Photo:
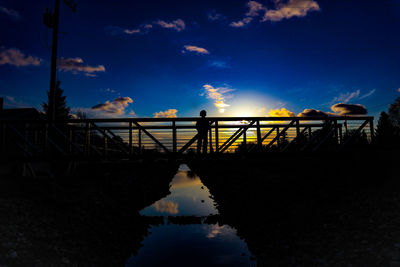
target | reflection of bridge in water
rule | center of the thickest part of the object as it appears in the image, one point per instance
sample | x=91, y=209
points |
x=132, y=137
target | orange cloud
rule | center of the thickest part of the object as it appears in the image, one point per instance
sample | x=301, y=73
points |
x=76, y=65
x=15, y=57
x=292, y=8
x=281, y=113
x=177, y=25
x=196, y=49
x=166, y=206
x=117, y=106
x=310, y=112
x=170, y=113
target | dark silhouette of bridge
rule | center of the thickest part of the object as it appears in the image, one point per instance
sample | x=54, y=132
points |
x=135, y=137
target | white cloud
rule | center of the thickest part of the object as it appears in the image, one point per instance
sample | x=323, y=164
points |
x=117, y=106
x=292, y=8
x=196, y=49
x=76, y=65
x=177, y=25
x=347, y=97
x=218, y=95
x=15, y=57
x=368, y=94
x=170, y=113
x=10, y=12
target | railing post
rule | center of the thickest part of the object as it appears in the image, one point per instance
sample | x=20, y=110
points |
x=335, y=125
x=259, y=142
x=278, y=141
x=210, y=140
x=371, y=129
x=130, y=139
x=174, y=143
x=140, y=140
x=87, y=138
x=245, y=140
x=340, y=134
x=297, y=128
x=216, y=137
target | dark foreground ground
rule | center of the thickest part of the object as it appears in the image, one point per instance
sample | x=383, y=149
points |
x=292, y=210
x=320, y=210
x=89, y=219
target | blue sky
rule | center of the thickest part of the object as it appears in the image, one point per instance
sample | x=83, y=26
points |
x=232, y=58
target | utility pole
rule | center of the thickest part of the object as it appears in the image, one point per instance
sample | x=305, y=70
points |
x=51, y=20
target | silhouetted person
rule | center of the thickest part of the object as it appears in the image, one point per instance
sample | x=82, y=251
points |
x=202, y=126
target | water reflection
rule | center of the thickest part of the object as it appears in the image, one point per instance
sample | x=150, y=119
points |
x=188, y=197
x=190, y=244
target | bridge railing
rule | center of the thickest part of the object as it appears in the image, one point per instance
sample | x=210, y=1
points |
x=135, y=136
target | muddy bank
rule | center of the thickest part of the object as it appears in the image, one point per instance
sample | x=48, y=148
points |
x=88, y=219
x=316, y=210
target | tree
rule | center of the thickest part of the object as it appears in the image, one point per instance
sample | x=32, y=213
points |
x=394, y=112
x=386, y=134
x=61, y=109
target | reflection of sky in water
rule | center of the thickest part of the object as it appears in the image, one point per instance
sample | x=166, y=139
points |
x=189, y=245
x=188, y=197
x=192, y=245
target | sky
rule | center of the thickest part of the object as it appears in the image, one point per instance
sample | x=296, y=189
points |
x=230, y=57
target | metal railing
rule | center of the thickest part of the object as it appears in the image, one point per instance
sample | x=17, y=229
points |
x=129, y=137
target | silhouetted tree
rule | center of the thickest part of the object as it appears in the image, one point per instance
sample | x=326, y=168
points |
x=61, y=109
x=394, y=112
x=386, y=134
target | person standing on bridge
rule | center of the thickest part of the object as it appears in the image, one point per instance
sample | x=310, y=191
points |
x=202, y=126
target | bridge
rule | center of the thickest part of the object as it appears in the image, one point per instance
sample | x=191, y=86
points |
x=136, y=137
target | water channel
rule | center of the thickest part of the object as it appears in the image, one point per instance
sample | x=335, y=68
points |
x=198, y=244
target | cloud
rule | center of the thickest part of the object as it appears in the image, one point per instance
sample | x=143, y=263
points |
x=166, y=206
x=347, y=97
x=281, y=113
x=292, y=8
x=241, y=23
x=134, y=31
x=15, y=57
x=177, y=25
x=117, y=106
x=368, y=94
x=10, y=12
x=76, y=65
x=398, y=90
x=218, y=95
x=350, y=96
x=254, y=8
x=170, y=113
x=312, y=113
x=213, y=15
x=348, y=109
x=254, y=11
x=196, y=49
x=220, y=64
